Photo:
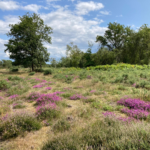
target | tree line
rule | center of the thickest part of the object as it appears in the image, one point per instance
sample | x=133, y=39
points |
x=119, y=44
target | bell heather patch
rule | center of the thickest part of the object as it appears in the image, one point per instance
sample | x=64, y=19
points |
x=136, y=113
x=48, y=88
x=134, y=103
x=47, y=98
x=48, y=111
x=77, y=96
x=13, y=96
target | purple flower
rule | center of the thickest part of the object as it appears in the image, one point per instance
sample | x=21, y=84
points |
x=13, y=96
x=77, y=96
x=48, y=88
x=136, y=113
x=92, y=91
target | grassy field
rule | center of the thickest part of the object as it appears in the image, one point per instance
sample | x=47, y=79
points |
x=75, y=109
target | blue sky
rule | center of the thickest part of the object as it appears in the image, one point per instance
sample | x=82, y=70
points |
x=73, y=20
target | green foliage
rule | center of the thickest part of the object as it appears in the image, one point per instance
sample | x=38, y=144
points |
x=61, y=126
x=14, y=69
x=109, y=133
x=15, y=78
x=66, y=95
x=31, y=73
x=82, y=75
x=27, y=48
x=17, y=124
x=4, y=85
x=68, y=79
x=47, y=72
x=39, y=70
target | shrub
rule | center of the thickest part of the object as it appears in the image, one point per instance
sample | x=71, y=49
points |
x=77, y=96
x=14, y=69
x=39, y=70
x=66, y=95
x=110, y=133
x=33, y=96
x=136, y=113
x=13, y=78
x=31, y=73
x=61, y=126
x=18, y=123
x=48, y=111
x=19, y=89
x=47, y=72
x=4, y=108
x=82, y=75
x=18, y=105
x=68, y=79
x=47, y=98
x=4, y=85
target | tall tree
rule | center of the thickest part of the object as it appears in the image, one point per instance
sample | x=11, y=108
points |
x=74, y=54
x=25, y=45
x=115, y=38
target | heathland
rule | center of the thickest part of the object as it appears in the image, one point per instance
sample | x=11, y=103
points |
x=103, y=107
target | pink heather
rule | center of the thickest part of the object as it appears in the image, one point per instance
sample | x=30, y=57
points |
x=77, y=96
x=92, y=91
x=13, y=96
x=48, y=88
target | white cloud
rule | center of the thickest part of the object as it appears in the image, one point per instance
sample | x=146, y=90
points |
x=83, y=8
x=4, y=25
x=13, y=5
x=8, y=5
x=105, y=12
x=67, y=28
x=2, y=48
x=32, y=7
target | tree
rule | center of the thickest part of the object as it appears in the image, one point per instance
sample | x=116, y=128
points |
x=25, y=45
x=53, y=62
x=115, y=36
x=74, y=54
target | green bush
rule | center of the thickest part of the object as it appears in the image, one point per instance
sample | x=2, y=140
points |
x=4, y=85
x=47, y=72
x=14, y=69
x=18, y=123
x=47, y=112
x=82, y=75
x=61, y=126
x=39, y=70
x=68, y=79
x=13, y=78
x=31, y=73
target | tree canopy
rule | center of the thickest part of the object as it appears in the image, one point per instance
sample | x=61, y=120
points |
x=25, y=45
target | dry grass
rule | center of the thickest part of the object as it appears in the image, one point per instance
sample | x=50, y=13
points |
x=35, y=140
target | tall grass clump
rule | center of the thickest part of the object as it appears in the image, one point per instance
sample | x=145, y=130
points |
x=17, y=123
x=110, y=133
x=61, y=126
x=4, y=85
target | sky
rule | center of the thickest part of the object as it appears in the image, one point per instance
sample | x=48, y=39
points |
x=77, y=21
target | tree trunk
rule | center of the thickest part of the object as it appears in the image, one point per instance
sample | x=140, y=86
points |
x=32, y=67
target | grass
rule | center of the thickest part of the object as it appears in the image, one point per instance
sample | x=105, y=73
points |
x=69, y=109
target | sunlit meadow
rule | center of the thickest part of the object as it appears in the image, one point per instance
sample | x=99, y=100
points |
x=103, y=107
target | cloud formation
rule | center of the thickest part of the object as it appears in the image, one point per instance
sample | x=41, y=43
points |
x=83, y=8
